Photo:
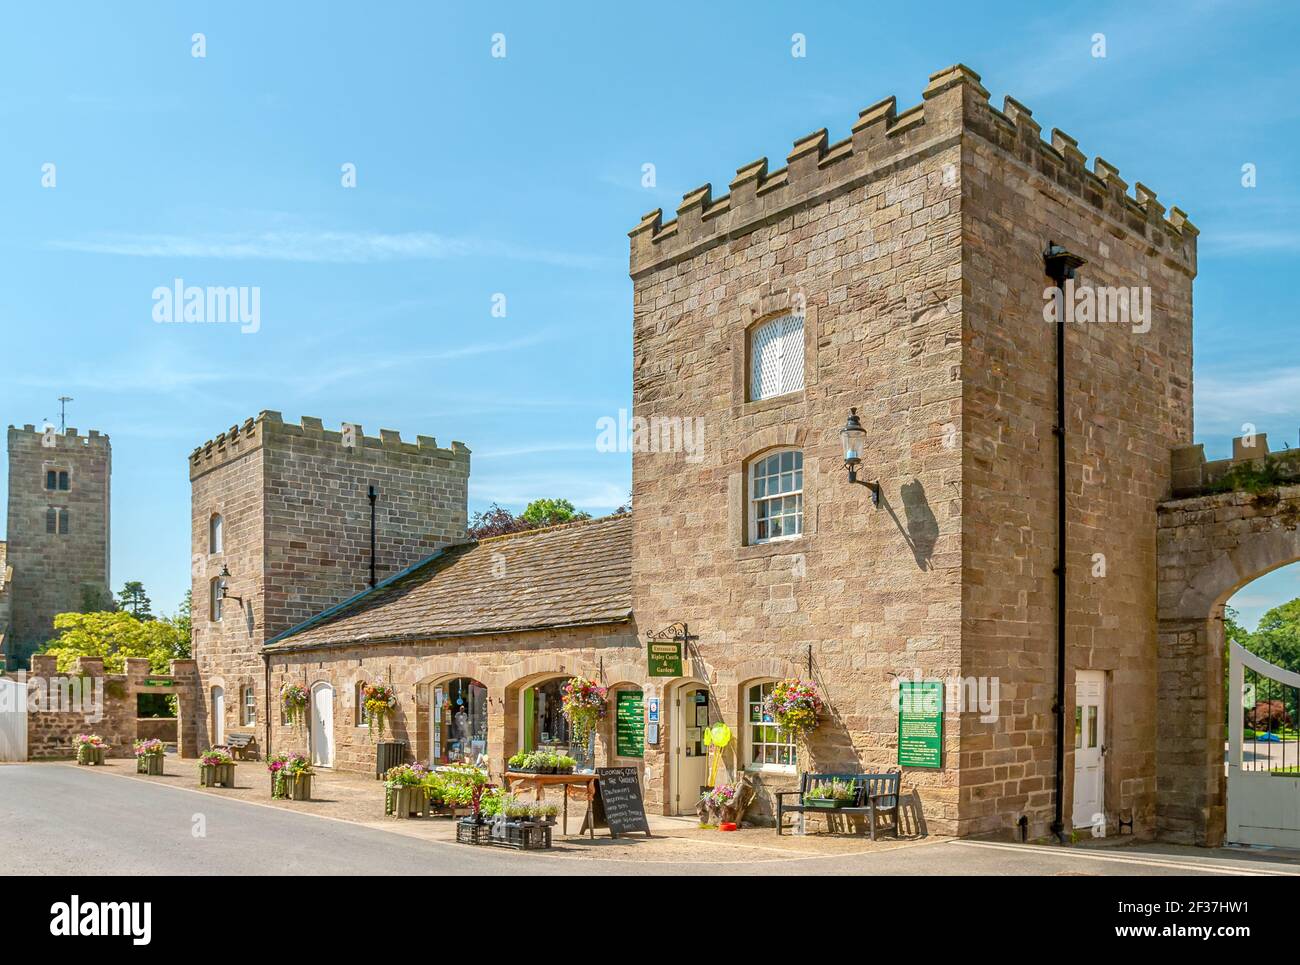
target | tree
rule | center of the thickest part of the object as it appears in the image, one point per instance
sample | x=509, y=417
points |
x=116, y=635
x=1277, y=638
x=132, y=597
x=551, y=512
x=496, y=521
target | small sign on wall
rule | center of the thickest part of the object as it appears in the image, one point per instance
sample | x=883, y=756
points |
x=920, y=723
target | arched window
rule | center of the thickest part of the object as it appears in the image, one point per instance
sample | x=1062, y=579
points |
x=216, y=540
x=776, y=357
x=776, y=496
x=216, y=589
x=766, y=748
x=362, y=718
x=459, y=715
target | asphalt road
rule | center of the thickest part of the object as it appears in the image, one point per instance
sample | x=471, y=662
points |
x=65, y=820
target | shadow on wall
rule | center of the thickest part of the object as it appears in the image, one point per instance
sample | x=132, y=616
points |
x=922, y=529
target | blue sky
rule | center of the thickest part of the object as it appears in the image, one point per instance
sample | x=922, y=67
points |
x=522, y=175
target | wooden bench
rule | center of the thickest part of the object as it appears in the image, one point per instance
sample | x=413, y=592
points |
x=876, y=796
x=242, y=746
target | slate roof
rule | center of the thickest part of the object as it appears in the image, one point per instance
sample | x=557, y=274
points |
x=575, y=574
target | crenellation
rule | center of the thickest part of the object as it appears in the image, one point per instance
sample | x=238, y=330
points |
x=954, y=104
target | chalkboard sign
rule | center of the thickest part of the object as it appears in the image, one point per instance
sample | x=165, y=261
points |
x=618, y=804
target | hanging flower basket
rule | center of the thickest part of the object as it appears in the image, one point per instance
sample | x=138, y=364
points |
x=290, y=776
x=293, y=698
x=794, y=705
x=90, y=749
x=149, y=756
x=378, y=699
x=584, y=707
x=216, y=769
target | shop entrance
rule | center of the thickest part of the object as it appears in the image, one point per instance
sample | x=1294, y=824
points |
x=690, y=754
x=458, y=719
x=544, y=726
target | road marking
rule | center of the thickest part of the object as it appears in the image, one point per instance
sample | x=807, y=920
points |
x=1129, y=859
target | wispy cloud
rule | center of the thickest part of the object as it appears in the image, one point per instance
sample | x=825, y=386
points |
x=327, y=247
x=1248, y=242
x=1223, y=397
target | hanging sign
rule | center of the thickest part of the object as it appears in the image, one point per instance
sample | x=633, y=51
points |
x=629, y=727
x=664, y=658
x=920, y=723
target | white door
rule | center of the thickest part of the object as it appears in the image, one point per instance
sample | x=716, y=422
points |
x=1089, y=747
x=218, y=715
x=13, y=720
x=691, y=760
x=322, y=725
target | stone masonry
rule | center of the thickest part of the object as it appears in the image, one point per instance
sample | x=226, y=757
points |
x=68, y=569
x=296, y=517
x=915, y=250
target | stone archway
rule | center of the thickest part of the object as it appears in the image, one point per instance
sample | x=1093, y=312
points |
x=1209, y=546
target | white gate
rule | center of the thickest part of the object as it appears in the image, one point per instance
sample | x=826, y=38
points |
x=13, y=719
x=1264, y=765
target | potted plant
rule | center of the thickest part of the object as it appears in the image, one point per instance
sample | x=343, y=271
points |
x=834, y=793
x=90, y=749
x=406, y=790
x=291, y=776
x=521, y=763
x=564, y=764
x=149, y=756
x=293, y=698
x=794, y=705
x=718, y=805
x=379, y=700
x=216, y=769
x=584, y=706
x=543, y=813
x=515, y=810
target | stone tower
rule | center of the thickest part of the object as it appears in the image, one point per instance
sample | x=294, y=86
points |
x=912, y=255
x=58, y=531
x=284, y=510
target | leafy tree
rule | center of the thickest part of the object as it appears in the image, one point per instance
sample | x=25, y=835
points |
x=1277, y=638
x=551, y=512
x=116, y=635
x=132, y=597
x=496, y=521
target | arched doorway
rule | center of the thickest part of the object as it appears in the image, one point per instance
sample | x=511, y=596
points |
x=322, y=724
x=218, y=705
x=458, y=721
x=542, y=724
x=1209, y=547
x=692, y=711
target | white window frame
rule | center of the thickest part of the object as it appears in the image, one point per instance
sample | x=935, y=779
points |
x=216, y=533
x=747, y=703
x=248, y=707
x=784, y=336
x=215, y=587
x=361, y=715
x=752, y=484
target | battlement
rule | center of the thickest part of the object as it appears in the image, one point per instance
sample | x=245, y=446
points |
x=269, y=425
x=953, y=103
x=1193, y=475
x=30, y=435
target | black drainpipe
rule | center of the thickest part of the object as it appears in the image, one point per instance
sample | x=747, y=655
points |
x=1060, y=265
x=270, y=702
x=373, y=494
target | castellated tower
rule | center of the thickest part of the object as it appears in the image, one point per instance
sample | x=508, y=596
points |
x=284, y=510
x=58, y=531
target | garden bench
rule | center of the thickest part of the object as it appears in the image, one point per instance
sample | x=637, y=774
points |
x=877, y=796
x=242, y=746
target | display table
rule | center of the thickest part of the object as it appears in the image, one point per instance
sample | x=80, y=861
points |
x=581, y=786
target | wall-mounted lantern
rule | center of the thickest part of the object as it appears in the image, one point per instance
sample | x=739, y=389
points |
x=225, y=593
x=854, y=440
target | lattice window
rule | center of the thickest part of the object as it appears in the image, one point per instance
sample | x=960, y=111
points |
x=776, y=357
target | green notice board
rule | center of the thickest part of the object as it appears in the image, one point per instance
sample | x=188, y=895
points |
x=664, y=658
x=629, y=725
x=920, y=723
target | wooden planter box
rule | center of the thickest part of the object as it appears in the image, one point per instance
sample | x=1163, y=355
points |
x=298, y=788
x=149, y=764
x=217, y=775
x=405, y=801
x=90, y=755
